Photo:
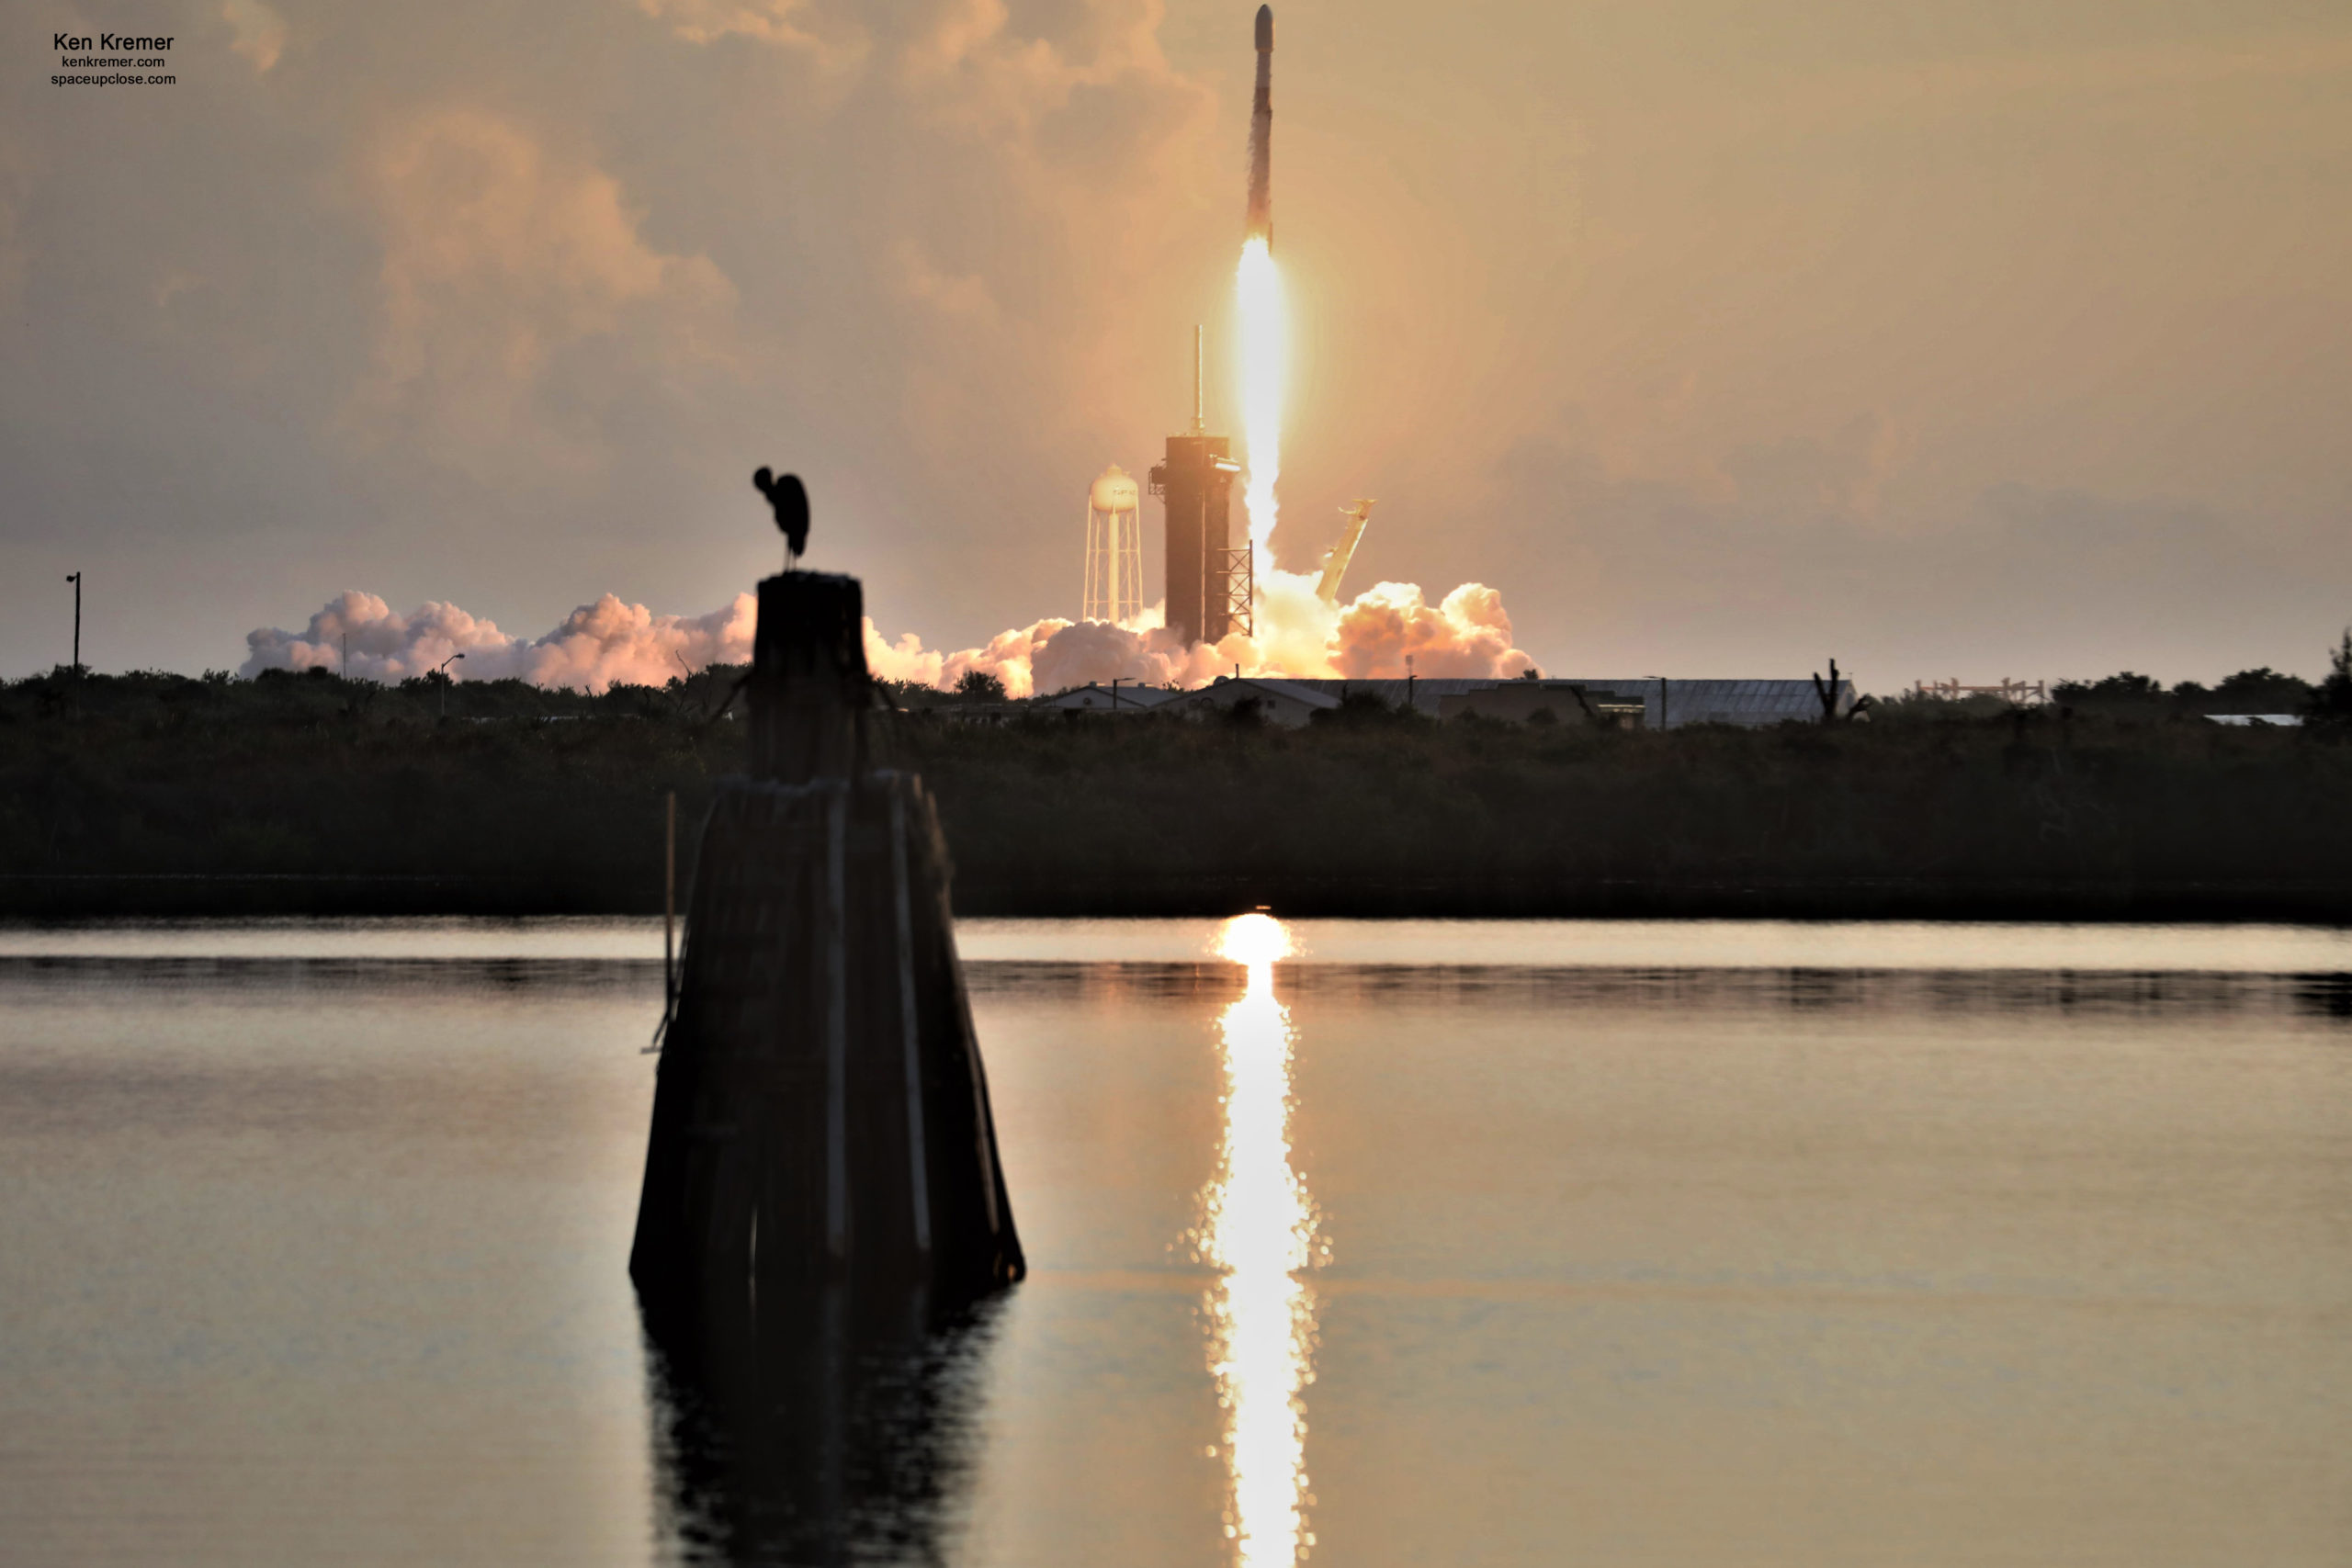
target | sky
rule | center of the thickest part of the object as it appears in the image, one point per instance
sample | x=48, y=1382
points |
x=1973, y=340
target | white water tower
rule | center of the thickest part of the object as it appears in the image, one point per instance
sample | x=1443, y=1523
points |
x=1113, y=548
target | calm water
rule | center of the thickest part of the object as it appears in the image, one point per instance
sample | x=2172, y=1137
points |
x=1413, y=1243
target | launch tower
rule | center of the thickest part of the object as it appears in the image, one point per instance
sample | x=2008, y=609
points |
x=1211, y=584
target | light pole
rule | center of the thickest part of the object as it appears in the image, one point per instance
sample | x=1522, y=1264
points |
x=441, y=670
x=75, y=579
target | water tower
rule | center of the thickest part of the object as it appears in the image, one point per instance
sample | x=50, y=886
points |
x=1113, y=548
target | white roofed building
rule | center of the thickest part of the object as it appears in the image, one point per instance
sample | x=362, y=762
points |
x=1125, y=697
x=1670, y=704
x=1290, y=704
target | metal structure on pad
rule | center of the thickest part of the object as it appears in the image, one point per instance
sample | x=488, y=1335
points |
x=1336, y=558
x=1195, y=484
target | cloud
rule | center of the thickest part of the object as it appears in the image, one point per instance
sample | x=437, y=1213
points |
x=831, y=36
x=517, y=299
x=598, y=644
x=258, y=32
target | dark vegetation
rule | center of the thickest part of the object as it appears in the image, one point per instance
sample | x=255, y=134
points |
x=154, y=794
x=2262, y=690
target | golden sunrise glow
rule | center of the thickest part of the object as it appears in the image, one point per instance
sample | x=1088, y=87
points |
x=1264, y=357
x=1261, y=1235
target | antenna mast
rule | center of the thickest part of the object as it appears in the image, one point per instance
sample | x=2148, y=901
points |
x=1200, y=425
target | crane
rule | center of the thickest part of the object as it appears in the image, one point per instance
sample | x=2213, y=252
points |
x=1336, y=558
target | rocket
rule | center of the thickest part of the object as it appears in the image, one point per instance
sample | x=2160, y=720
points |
x=1261, y=135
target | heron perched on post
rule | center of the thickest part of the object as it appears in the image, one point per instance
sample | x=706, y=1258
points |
x=790, y=500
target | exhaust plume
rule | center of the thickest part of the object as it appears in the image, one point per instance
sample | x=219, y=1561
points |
x=608, y=643
x=600, y=645
x=1468, y=633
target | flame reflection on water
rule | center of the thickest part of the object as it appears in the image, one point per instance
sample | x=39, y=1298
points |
x=1260, y=1234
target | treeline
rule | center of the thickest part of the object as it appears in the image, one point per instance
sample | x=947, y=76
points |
x=2259, y=690
x=156, y=793
x=2025, y=815
x=152, y=794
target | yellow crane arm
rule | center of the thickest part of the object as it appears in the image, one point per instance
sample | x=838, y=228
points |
x=1336, y=558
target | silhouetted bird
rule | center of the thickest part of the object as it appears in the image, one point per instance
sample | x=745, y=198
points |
x=791, y=504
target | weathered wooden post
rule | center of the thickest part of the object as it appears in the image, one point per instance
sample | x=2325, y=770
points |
x=820, y=1116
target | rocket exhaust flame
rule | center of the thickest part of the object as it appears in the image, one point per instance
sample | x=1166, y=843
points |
x=1265, y=352
x=1264, y=329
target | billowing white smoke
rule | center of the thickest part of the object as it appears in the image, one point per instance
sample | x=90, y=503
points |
x=597, y=646
x=1052, y=655
x=1466, y=634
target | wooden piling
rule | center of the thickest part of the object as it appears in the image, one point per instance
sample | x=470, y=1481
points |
x=822, y=1114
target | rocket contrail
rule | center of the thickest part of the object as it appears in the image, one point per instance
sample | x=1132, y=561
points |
x=1261, y=135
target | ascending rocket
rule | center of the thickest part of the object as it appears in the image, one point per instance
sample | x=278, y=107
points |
x=1261, y=135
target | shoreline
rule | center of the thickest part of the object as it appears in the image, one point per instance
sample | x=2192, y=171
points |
x=86, y=896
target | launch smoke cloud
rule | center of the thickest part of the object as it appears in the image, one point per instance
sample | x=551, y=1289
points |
x=611, y=642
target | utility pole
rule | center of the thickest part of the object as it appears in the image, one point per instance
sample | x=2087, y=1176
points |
x=75, y=579
x=441, y=670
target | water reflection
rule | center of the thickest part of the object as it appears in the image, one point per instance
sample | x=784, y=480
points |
x=2329, y=996
x=1260, y=1233
x=832, y=1431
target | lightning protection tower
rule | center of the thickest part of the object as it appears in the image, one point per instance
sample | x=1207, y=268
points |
x=1113, y=548
x=1211, y=584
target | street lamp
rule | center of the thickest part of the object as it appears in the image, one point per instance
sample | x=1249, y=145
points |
x=441, y=670
x=75, y=579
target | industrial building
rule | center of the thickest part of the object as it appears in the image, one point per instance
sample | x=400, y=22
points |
x=1652, y=703
x=1444, y=697
x=1671, y=704
x=1519, y=702
x=1634, y=702
x=1211, y=584
x=1120, y=697
x=1290, y=703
